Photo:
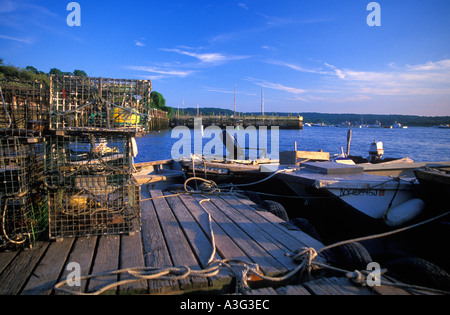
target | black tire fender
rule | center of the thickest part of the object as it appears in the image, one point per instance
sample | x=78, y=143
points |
x=307, y=227
x=275, y=208
x=351, y=256
x=418, y=271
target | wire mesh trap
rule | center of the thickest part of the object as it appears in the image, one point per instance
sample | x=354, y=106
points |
x=85, y=102
x=93, y=211
x=24, y=105
x=91, y=190
x=17, y=158
x=71, y=158
x=23, y=220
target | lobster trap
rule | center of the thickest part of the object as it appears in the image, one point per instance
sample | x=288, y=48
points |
x=94, y=210
x=91, y=190
x=23, y=220
x=18, y=165
x=24, y=106
x=74, y=158
x=85, y=102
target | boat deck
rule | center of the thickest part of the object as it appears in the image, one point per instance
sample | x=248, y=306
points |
x=175, y=232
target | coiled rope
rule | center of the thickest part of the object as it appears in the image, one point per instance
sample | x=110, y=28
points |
x=242, y=270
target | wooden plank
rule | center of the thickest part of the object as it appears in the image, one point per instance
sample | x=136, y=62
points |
x=199, y=242
x=177, y=244
x=225, y=245
x=293, y=290
x=336, y=286
x=252, y=249
x=257, y=231
x=6, y=258
x=263, y=291
x=47, y=272
x=276, y=230
x=82, y=253
x=19, y=270
x=106, y=259
x=200, y=238
x=156, y=253
x=131, y=256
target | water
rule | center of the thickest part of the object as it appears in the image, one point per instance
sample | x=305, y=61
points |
x=422, y=144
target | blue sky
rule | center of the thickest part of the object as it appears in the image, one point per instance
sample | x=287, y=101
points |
x=307, y=55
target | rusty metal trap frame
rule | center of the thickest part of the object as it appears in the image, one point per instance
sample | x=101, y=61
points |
x=19, y=165
x=85, y=102
x=23, y=221
x=74, y=159
x=91, y=190
x=24, y=105
x=94, y=211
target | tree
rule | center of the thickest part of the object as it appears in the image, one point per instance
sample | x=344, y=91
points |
x=79, y=73
x=55, y=71
x=158, y=101
x=32, y=69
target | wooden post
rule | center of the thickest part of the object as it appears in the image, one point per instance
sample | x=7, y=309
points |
x=349, y=139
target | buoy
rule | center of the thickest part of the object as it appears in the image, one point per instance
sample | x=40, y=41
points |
x=404, y=212
x=134, y=147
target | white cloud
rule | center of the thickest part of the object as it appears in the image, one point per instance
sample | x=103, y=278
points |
x=162, y=72
x=276, y=86
x=16, y=39
x=430, y=78
x=208, y=58
x=243, y=6
x=139, y=43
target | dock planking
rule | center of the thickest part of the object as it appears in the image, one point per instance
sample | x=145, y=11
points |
x=175, y=232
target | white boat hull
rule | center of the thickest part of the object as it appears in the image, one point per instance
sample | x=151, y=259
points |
x=372, y=202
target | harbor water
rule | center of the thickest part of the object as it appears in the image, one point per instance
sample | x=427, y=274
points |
x=421, y=144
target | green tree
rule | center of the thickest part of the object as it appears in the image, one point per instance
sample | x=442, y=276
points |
x=159, y=102
x=79, y=73
x=55, y=71
x=32, y=69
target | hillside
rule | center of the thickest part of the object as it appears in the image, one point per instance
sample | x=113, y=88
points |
x=334, y=119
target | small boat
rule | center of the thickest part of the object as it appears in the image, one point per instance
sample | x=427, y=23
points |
x=398, y=125
x=235, y=166
x=159, y=174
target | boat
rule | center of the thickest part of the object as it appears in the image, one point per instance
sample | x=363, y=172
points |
x=447, y=126
x=398, y=125
x=371, y=195
x=234, y=166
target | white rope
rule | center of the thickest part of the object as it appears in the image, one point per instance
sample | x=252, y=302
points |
x=242, y=269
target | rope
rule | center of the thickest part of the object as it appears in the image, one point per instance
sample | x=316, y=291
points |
x=242, y=269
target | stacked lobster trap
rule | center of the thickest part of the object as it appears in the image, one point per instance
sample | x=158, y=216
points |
x=85, y=102
x=89, y=157
x=23, y=211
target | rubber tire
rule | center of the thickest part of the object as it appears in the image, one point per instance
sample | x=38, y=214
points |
x=414, y=270
x=254, y=197
x=275, y=208
x=352, y=256
x=306, y=226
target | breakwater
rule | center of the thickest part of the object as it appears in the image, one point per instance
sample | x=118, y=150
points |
x=283, y=122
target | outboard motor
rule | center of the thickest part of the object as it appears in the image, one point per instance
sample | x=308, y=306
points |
x=376, y=151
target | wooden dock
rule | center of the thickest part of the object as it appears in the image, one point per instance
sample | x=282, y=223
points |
x=175, y=232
